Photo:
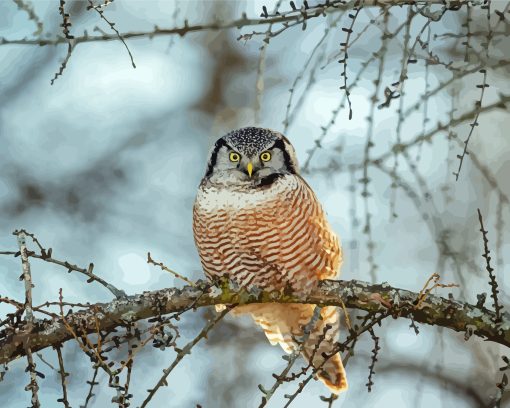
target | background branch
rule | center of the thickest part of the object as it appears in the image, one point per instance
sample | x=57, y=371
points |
x=297, y=15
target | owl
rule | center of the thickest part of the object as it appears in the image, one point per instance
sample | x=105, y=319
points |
x=257, y=221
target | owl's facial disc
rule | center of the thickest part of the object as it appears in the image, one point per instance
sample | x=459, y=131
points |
x=251, y=156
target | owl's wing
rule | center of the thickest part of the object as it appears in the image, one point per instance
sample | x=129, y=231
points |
x=328, y=242
x=305, y=248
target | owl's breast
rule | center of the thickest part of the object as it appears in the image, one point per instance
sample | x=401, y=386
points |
x=239, y=198
x=269, y=237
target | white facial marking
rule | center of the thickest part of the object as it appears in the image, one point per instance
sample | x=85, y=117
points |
x=221, y=197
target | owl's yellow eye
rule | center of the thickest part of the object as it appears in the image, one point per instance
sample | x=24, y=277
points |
x=234, y=157
x=266, y=156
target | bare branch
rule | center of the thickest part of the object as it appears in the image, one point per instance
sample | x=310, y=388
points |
x=369, y=322
x=182, y=353
x=343, y=61
x=492, y=278
x=284, y=17
x=440, y=127
x=92, y=383
x=27, y=278
x=280, y=378
x=434, y=310
x=45, y=255
x=167, y=269
x=482, y=86
x=70, y=47
x=63, y=376
x=27, y=8
x=373, y=360
x=112, y=26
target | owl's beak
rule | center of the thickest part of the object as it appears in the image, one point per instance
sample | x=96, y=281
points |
x=249, y=168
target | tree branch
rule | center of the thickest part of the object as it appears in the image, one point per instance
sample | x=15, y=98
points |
x=433, y=310
x=296, y=15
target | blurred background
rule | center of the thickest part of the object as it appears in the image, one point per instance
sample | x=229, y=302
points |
x=104, y=164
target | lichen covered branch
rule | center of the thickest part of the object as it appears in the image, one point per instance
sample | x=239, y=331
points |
x=434, y=310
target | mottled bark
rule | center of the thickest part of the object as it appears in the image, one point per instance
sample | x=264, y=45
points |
x=434, y=310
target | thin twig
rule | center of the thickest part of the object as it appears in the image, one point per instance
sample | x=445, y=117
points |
x=112, y=26
x=45, y=255
x=441, y=127
x=373, y=360
x=478, y=109
x=369, y=144
x=44, y=361
x=91, y=383
x=182, y=353
x=63, y=378
x=289, y=115
x=353, y=336
x=498, y=308
x=70, y=47
x=426, y=290
x=345, y=46
x=85, y=344
x=27, y=279
x=291, y=359
x=32, y=15
x=167, y=269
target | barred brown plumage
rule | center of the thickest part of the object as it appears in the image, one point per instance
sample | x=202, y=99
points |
x=270, y=232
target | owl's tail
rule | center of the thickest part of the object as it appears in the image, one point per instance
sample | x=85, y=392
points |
x=284, y=323
x=321, y=343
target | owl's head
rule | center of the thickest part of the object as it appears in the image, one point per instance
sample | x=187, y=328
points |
x=251, y=156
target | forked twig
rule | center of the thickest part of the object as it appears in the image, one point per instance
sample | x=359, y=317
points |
x=166, y=268
x=112, y=26
x=433, y=280
x=185, y=350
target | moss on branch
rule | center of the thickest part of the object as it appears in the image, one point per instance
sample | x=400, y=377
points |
x=434, y=310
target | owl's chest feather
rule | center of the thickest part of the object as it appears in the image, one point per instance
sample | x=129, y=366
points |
x=217, y=198
x=265, y=236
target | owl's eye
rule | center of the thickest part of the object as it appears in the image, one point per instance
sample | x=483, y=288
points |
x=234, y=157
x=266, y=156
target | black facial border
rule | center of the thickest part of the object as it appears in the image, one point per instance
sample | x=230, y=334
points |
x=280, y=144
x=214, y=156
